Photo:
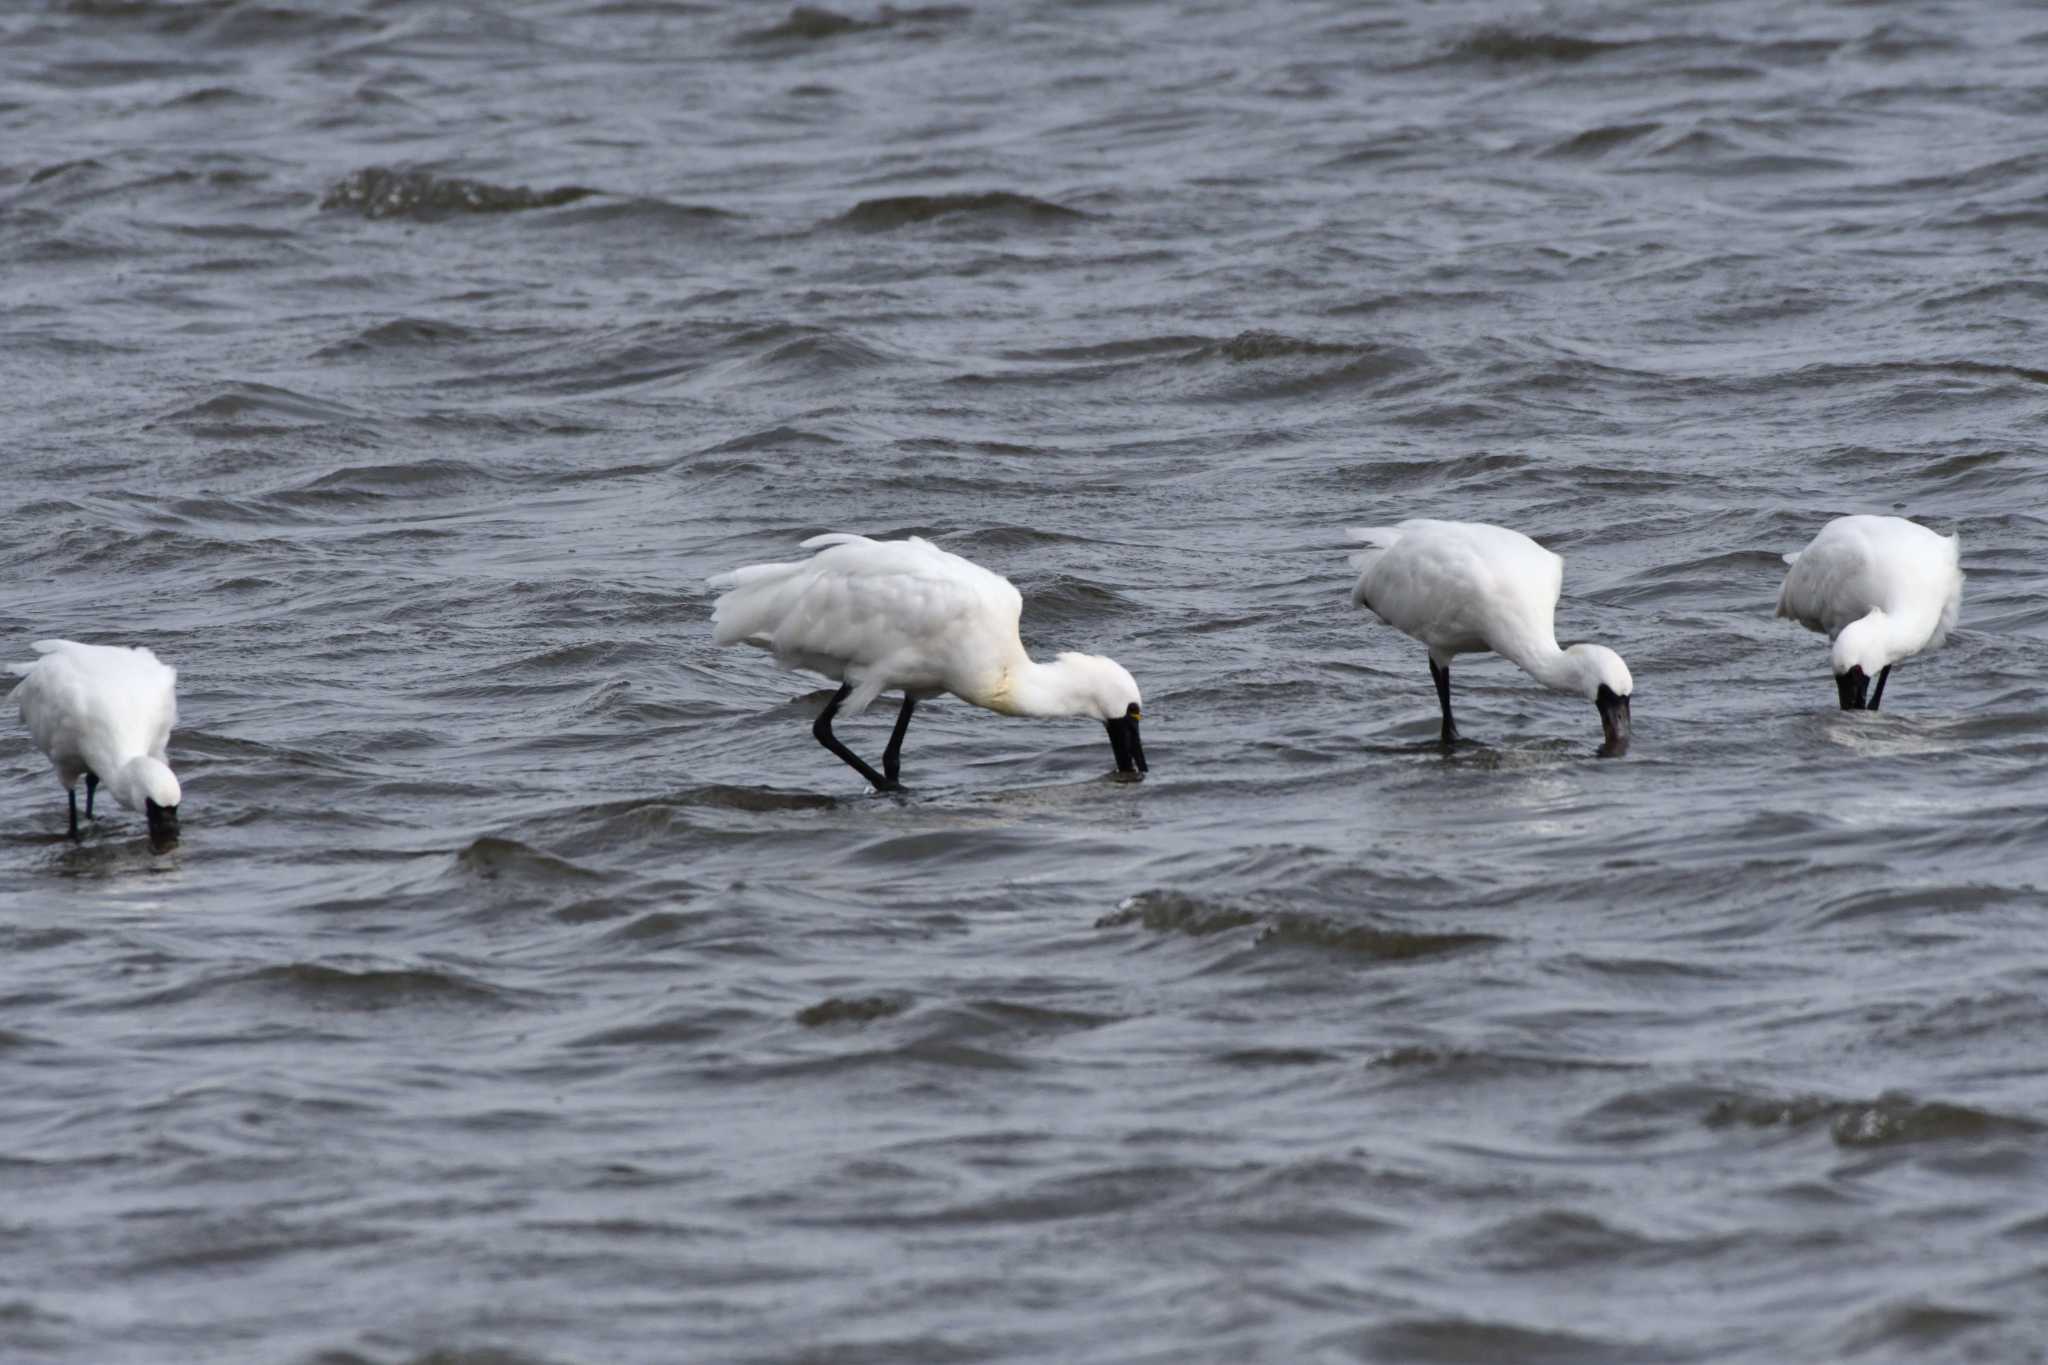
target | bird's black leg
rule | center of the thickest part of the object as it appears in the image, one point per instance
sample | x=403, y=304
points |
x=892, y=757
x=1442, y=675
x=92, y=784
x=1877, y=693
x=821, y=730
x=71, y=795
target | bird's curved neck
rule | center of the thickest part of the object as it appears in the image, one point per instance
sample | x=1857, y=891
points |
x=1539, y=656
x=1893, y=634
x=1029, y=688
x=116, y=772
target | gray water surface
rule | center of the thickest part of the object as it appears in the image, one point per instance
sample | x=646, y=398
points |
x=529, y=987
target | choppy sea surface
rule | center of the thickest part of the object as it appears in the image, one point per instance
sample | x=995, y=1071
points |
x=528, y=987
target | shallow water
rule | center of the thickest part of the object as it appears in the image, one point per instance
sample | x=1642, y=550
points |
x=529, y=987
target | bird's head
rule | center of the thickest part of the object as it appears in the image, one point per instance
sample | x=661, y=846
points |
x=149, y=783
x=1604, y=679
x=1105, y=689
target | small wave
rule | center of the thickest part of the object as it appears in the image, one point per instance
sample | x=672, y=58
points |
x=79, y=168
x=1597, y=142
x=1559, y=1238
x=1280, y=366
x=750, y=799
x=1138, y=348
x=642, y=214
x=1260, y=1058
x=1468, y=1066
x=1173, y=912
x=1465, y=1339
x=237, y=404
x=2020, y=296
x=411, y=479
x=399, y=334
x=690, y=1024
x=1432, y=301
x=780, y=439
x=1365, y=940
x=1899, y=42
x=1703, y=576
x=1889, y=1119
x=850, y=1010
x=326, y=986
x=1177, y=912
x=882, y=215
x=492, y=859
x=813, y=351
x=1500, y=45
x=1002, y=538
x=210, y=97
x=1915, y=902
x=376, y=988
x=1261, y=344
x=379, y=192
x=1064, y=598
x=813, y=23
x=1916, y=1328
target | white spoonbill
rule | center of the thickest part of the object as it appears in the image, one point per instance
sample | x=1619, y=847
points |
x=903, y=615
x=1464, y=588
x=1882, y=588
x=105, y=711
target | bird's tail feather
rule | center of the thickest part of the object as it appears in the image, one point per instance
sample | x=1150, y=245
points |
x=750, y=602
x=1376, y=540
x=40, y=647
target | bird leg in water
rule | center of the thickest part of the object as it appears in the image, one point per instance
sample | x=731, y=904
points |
x=1877, y=693
x=892, y=757
x=1443, y=696
x=92, y=784
x=821, y=730
x=71, y=795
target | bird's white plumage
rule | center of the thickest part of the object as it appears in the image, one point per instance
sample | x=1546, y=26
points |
x=876, y=614
x=1468, y=587
x=1459, y=587
x=905, y=615
x=1882, y=588
x=106, y=709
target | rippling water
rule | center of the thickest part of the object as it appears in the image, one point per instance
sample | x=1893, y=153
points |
x=529, y=987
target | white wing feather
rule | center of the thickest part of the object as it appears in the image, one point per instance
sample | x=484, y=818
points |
x=97, y=705
x=1457, y=586
x=1860, y=563
x=879, y=614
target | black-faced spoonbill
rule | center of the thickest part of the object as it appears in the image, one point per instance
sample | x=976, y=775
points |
x=903, y=615
x=1883, y=589
x=1465, y=588
x=105, y=712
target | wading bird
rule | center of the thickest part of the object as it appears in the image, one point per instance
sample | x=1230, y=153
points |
x=1883, y=589
x=1465, y=588
x=105, y=712
x=905, y=616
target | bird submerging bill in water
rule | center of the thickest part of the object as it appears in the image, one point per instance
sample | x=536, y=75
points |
x=105, y=712
x=905, y=616
x=1883, y=589
x=1465, y=588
